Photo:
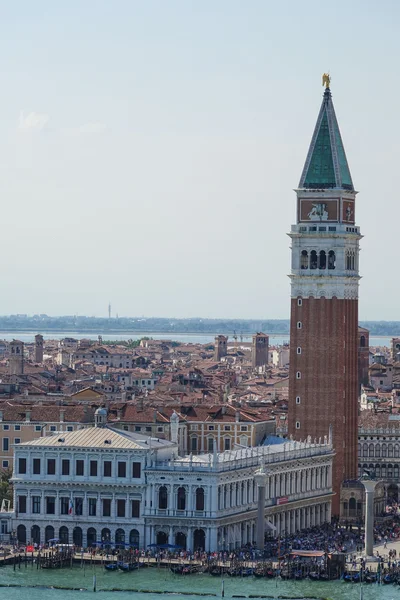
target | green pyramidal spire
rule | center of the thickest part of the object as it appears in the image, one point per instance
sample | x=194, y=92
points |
x=326, y=165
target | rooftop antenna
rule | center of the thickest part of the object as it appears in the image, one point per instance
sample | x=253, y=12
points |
x=109, y=310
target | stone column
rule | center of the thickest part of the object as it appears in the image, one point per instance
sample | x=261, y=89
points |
x=369, y=486
x=260, y=478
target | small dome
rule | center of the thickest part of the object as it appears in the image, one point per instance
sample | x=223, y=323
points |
x=101, y=411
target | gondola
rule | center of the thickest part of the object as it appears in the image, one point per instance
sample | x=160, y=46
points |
x=314, y=576
x=356, y=578
x=111, y=567
x=370, y=578
x=215, y=571
x=347, y=577
x=123, y=566
x=176, y=569
x=387, y=579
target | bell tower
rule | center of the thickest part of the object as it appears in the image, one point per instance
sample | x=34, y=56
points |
x=323, y=389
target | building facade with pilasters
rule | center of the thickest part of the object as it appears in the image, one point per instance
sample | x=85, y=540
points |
x=102, y=485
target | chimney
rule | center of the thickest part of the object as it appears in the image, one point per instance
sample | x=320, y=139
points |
x=140, y=403
x=237, y=416
x=155, y=416
x=119, y=413
x=28, y=416
x=1, y=415
x=62, y=416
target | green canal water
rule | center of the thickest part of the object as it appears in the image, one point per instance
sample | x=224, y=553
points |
x=163, y=580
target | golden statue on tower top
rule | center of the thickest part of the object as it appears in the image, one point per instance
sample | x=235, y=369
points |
x=326, y=80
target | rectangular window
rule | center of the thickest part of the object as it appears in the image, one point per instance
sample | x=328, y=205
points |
x=38, y=427
x=50, y=505
x=6, y=427
x=227, y=427
x=299, y=325
x=92, y=507
x=148, y=428
x=135, y=509
x=93, y=468
x=64, y=504
x=36, y=466
x=137, y=428
x=53, y=428
x=106, y=507
x=5, y=464
x=17, y=427
x=243, y=428
x=297, y=399
x=22, y=504
x=17, y=440
x=70, y=428
x=211, y=444
x=298, y=350
x=36, y=505
x=6, y=444
x=120, y=508
x=194, y=444
x=136, y=470
x=65, y=466
x=78, y=506
x=51, y=466
x=22, y=466
x=297, y=424
x=121, y=469
x=107, y=468
x=211, y=428
x=227, y=444
x=79, y=468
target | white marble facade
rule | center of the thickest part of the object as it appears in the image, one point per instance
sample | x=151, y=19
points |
x=105, y=485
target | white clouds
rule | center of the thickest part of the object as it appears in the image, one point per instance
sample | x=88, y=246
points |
x=32, y=121
x=95, y=127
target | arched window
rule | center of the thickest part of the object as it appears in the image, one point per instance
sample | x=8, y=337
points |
x=377, y=451
x=371, y=450
x=377, y=470
x=48, y=533
x=63, y=535
x=313, y=260
x=35, y=534
x=331, y=259
x=362, y=341
x=304, y=260
x=396, y=451
x=390, y=471
x=365, y=449
x=359, y=449
x=200, y=499
x=91, y=536
x=134, y=538
x=383, y=471
x=322, y=259
x=120, y=536
x=352, y=504
x=21, y=534
x=77, y=536
x=181, y=499
x=390, y=450
x=384, y=450
x=163, y=497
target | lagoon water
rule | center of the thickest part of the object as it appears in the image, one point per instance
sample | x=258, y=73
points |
x=185, y=338
x=163, y=580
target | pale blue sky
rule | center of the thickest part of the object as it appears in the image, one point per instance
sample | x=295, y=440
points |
x=148, y=150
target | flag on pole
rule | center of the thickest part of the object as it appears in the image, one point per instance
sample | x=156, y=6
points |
x=70, y=507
